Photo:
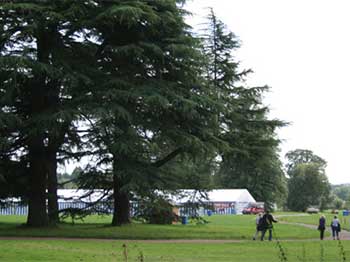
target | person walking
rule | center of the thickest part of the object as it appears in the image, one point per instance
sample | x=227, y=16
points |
x=335, y=225
x=322, y=226
x=258, y=221
x=267, y=224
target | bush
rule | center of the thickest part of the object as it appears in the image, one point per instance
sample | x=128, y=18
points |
x=156, y=210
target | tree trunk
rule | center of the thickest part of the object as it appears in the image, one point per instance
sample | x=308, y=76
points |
x=52, y=199
x=121, y=212
x=41, y=164
x=37, y=214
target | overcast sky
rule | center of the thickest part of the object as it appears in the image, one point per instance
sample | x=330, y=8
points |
x=301, y=48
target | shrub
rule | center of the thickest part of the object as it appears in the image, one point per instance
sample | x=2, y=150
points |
x=156, y=210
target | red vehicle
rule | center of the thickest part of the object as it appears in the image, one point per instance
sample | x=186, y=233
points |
x=253, y=209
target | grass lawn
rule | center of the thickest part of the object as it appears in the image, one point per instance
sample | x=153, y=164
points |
x=239, y=227
x=233, y=227
x=112, y=251
x=313, y=218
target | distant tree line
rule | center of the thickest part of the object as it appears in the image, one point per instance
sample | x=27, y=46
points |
x=341, y=196
x=129, y=86
x=308, y=185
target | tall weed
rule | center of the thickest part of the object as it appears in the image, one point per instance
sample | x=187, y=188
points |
x=281, y=252
x=341, y=251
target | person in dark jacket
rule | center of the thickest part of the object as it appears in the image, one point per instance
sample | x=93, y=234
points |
x=322, y=226
x=267, y=224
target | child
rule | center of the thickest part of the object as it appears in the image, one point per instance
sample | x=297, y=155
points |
x=258, y=225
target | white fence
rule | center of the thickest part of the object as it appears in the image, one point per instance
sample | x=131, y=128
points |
x=18, y=208
x=14, y=209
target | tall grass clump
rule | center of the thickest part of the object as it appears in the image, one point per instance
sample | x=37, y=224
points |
x=141, y=257
x=125, y=252
x=341, y=251
x=281, y=252
x=322, y=257
x=302, y=258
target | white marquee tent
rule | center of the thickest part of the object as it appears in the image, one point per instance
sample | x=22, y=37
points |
x=221, y=195
x=223, y=200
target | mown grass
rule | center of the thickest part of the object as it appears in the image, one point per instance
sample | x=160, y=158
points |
x=112, y=251
x=240, y=228
x=219, y=227
x=312, y=219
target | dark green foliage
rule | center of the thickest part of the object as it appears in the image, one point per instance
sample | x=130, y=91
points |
x=302, y=156
x=154, y=104
x=308, y=186
x=253, y=161
x=156, y=210
x=221, y=69
x=126, y=84
x=13, y=179
x=307, y=175
x=69, y=181
x=342, y=191
x=41, y=75
x=75, y=214
x=250, y=159
x=337, y=203
x=188, y=172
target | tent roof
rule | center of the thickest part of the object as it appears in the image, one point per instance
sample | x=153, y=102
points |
x=231, y=195
x=76, y=194
x=217, y=195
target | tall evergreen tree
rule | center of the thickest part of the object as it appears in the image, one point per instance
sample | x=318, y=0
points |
x=154, y=106
x=132, y=73
x=252, y=159
x=40, y=73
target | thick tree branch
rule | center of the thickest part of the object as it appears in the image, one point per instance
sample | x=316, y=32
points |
x=169, y=157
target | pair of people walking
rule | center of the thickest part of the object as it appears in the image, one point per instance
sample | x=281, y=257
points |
x=335, y=226
x=264, y=223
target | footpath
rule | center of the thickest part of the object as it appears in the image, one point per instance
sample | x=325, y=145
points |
x=344, y=234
